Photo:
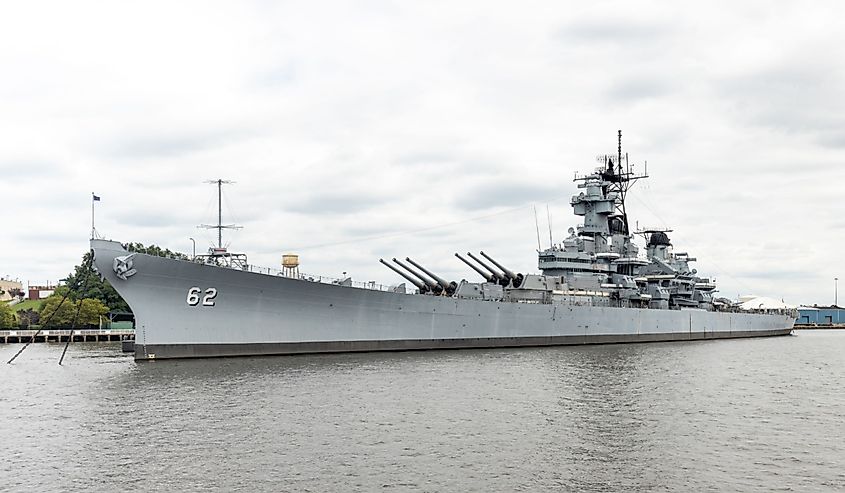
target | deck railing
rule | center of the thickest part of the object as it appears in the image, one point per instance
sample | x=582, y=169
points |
x=371, y=285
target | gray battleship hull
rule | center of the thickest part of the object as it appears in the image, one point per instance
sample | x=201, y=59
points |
x=258, y=314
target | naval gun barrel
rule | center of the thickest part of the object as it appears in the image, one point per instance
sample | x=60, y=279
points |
x=498, y=277
x=447, y=286
x=487, y=276
x=516, y=279
x=431, y=285
x=416, y=282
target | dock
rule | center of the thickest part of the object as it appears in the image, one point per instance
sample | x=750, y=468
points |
x=818, y=326
x=62, y=335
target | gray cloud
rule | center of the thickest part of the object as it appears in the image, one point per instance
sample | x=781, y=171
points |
x=154, y=144
x=164, y=146
x=629, y=91
x=363, y=230
x=794, y=275
x=329, y=202
x=834, y=137
x=796, y=97
x=505, y=194
x=154, y=219
x=275, y=77
x=615, y=30
x=426, y=158
x=29, y=168
x=454, y=161
x=39, y=235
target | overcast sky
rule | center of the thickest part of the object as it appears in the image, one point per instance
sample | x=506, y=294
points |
x=366, y=129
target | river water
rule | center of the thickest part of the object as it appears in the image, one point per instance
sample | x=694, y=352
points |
x=738, y=415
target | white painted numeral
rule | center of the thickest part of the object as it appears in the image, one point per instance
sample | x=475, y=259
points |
x=208, y=299
x=193, y=296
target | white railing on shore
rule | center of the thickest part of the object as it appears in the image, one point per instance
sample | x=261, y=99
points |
x=64, y=332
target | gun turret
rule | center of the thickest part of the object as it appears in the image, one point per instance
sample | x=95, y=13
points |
x=516, y=279
x=499, y=277
x=486, y=275
x=416, y=282
x=447, y=286
x=432, y=285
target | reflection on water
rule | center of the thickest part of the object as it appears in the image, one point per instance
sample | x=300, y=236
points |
x=749, y=415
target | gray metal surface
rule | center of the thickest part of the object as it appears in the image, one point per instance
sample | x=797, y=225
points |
x=594, y=288
x=258, y=314
x=169, y=351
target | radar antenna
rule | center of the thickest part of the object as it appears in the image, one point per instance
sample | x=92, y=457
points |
x=220, y=226
x=619, y=179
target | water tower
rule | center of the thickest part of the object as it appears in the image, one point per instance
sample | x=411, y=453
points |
x=290, y=265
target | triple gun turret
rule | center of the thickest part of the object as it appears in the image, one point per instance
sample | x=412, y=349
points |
x=430, y=283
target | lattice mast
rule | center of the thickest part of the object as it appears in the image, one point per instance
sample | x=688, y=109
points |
x=621, y=180
x=220, y=226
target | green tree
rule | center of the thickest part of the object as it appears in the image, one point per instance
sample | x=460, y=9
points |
x=53, y=307
x=94, y=287
x=90, y=311
x=63, y=314
x=27, y=317
x=7, y=316
x=98, y=288
x=155, y=251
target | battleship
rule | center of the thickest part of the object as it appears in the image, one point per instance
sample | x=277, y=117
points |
x=594, y=287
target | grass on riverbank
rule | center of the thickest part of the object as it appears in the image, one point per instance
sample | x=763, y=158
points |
x=27, y=304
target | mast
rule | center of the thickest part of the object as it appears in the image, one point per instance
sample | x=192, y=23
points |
x=220, y=226
x=621, y=180
x=622, y=189
x=219, y=213
x=619, y=152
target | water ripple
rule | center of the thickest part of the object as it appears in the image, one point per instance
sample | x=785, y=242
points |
x=742, y=415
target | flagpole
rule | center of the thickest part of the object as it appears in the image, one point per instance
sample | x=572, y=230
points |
x=93, y=229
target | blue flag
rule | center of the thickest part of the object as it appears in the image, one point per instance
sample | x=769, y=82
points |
x=96, y=198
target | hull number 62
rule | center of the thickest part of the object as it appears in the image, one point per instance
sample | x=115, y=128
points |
x=207, y=300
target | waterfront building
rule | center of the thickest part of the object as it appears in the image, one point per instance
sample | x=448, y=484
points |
x=40, y=292
x=821, y=315
x=9, y=286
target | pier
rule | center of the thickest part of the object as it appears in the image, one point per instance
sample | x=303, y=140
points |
x=62, y=335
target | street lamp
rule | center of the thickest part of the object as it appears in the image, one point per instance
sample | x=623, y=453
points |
x=835, y=291
x=194, y=256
